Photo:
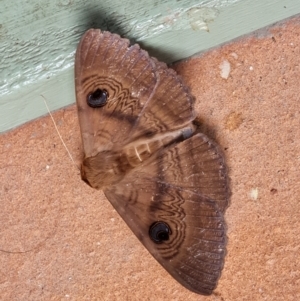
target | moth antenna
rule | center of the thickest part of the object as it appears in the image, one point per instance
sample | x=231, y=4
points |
x=59, y=132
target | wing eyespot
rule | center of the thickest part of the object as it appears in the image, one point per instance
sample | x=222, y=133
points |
x=98, y=98
x=159, y=232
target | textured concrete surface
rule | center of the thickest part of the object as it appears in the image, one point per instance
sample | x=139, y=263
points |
x=61, y=240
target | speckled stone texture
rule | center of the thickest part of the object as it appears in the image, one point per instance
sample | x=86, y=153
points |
x=62, y=240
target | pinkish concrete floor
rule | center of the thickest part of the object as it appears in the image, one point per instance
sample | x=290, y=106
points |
x=61, y=240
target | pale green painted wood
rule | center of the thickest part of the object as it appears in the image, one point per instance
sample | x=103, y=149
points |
x=38, y=39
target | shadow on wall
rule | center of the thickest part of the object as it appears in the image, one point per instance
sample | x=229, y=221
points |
x=114, y=22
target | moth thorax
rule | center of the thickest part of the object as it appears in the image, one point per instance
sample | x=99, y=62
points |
x=104, y=169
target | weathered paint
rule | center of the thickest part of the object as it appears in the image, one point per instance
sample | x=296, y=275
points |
x=38, y=40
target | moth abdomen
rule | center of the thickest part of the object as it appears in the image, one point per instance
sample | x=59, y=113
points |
x=142, y=149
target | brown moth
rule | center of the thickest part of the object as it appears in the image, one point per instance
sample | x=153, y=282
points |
x=168, y=182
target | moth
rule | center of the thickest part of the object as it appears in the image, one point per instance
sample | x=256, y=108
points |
x=167, y=181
